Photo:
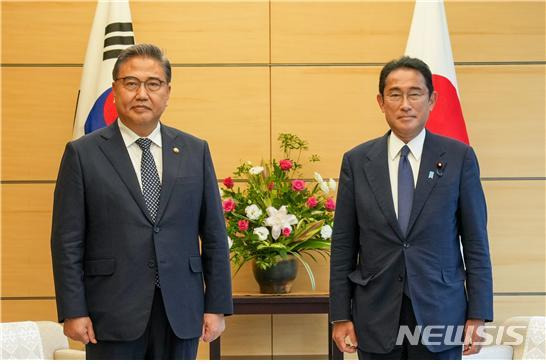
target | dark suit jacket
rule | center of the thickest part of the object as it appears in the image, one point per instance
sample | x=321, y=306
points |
x=105, y=247
x=370, y=254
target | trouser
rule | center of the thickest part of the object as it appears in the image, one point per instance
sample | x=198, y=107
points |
x=157, y=342
x=406, y=351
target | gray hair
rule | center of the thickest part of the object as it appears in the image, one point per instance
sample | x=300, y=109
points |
x=146, y=51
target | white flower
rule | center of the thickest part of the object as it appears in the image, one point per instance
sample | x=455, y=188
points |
x=326, y=232
x=253, y=212
x=324, y=187
x=332, y=184
x=262, y=233
x=318, y=177
x=221, y=192
x=279, y=219
x=230, y=242
x=256, y=170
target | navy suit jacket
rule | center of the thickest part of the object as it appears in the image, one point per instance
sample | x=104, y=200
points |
x=105, y=247
x=370, y=254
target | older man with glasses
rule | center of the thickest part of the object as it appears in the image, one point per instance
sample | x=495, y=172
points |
x=131, y=202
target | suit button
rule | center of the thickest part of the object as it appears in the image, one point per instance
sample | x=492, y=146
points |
x=406, y=245
x=156, y=229
x=400, y=278
x=151, y=264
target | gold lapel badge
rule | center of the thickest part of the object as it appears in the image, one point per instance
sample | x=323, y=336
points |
x=176, y=150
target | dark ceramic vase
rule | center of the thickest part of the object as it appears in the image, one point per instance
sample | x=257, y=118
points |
x=278, y=278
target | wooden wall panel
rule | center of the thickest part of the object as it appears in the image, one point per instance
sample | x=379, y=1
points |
x=517, y=234
x=227, y=106
x=29, y=310
x=510, y=306
x=377, y=31
x=300, y=334
x=189, y=31
x=335, y=109
x=485, y=31
x=205, y=31
x=45, y=31
x=37, y=116
x=247, y=335
x=26, y=228
x=338, y=31
x=504, y=112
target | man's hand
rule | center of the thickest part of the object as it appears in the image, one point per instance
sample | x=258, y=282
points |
x=80, y=329
x=213, y=325
x=342, y=331
x=472, y=341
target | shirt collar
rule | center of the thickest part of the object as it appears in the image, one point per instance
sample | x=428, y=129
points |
x=129, y=136
x=415, y=145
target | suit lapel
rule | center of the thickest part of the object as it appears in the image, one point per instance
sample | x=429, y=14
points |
x=432, y=153
x=116, y=152
x=171, y=165
x=376, y=169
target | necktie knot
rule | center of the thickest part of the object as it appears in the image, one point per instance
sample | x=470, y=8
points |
x=404, y=151
x=144, y=143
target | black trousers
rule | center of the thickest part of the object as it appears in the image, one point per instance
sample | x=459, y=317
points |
x=406, y=351
x=157, y=342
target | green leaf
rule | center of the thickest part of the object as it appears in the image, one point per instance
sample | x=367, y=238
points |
x=308, y=231
x=307, y=268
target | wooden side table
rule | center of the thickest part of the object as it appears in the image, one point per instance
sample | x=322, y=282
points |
x=292, y=303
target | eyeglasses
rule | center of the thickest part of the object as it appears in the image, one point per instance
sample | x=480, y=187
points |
x=131, y=83
x=397, y=97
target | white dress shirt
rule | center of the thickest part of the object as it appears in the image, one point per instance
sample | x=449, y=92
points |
x=414, y=157
x=135, y=153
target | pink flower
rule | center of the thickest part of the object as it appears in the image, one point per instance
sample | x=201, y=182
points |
x=298, y=185
x=311, y=202
x=286, y=231
x=243, y=225
x=271, y=186
x=330, y=204
x=229, y=205
x=285, y=164
x=228, y=182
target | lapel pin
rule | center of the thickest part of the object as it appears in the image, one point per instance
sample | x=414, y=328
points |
x=440, y=168
x=431, y=175
x=176, y=150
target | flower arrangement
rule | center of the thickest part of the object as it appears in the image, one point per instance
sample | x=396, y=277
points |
x=278, y=214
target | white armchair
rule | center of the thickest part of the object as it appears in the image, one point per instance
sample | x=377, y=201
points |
x=35, y=340
x=532, y=347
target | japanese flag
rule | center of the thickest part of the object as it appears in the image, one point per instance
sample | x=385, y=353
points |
x=429, y=41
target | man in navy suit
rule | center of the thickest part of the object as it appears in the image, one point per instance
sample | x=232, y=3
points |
x=132, y=200
x=406, y=203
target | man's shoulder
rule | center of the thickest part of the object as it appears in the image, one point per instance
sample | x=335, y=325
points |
x=186, y=137
x=447, y=143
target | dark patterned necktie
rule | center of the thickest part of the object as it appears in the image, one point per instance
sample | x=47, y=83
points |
x=151, y=185
x=405, y=189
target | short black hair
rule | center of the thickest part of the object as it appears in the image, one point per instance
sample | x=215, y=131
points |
x=146, y=51
x=406, y=62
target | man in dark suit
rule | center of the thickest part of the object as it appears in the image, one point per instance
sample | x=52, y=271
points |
x=131, y=202
x=406, y=203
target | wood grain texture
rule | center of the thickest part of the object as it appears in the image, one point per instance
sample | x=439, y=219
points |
x=377, y=31
x=189, y=31
x=38, y=107
x=26, y=228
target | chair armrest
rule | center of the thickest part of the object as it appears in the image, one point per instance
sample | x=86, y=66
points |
x=69, y=354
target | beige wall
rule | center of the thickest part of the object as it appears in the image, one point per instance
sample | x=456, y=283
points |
x=245, y=71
